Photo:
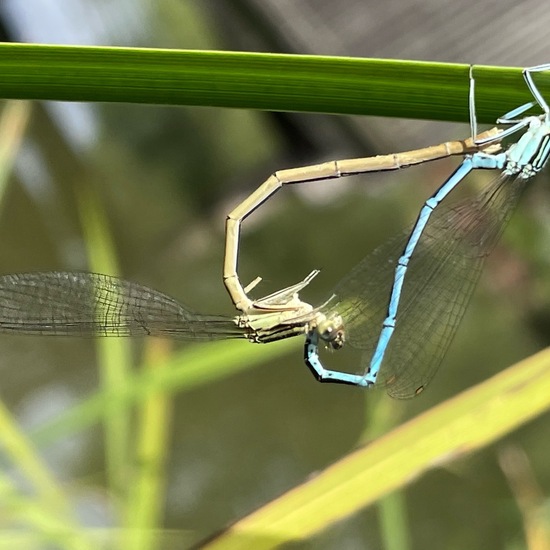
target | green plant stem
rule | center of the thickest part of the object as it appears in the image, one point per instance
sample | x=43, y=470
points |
x=276, y=82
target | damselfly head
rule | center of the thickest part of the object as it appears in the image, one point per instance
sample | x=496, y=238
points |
x=331, y=330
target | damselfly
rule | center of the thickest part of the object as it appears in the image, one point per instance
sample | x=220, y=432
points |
x=90, y=304
x=430, y=276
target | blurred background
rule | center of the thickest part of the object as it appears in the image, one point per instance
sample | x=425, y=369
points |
x=167, y=176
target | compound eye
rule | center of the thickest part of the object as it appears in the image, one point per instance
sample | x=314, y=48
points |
x=332, y=332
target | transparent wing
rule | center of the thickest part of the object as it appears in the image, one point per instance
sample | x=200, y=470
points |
x=89, y=304
x=439, y=282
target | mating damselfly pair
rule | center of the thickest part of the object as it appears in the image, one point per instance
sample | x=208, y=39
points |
x=400, y=306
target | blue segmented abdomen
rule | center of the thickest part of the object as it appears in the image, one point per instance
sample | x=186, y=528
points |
x=437, y=286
